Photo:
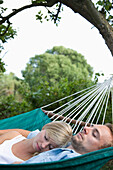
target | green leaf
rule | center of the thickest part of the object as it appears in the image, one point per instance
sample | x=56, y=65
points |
x=1, y=1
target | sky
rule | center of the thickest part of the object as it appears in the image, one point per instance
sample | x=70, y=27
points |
x=34, y=38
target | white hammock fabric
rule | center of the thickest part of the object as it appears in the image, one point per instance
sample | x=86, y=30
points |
x=89, y=105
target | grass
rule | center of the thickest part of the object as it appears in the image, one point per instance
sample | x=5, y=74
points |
x=108, y=166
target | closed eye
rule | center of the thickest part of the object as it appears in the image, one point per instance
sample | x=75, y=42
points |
x=46, y=138
x=95, y=133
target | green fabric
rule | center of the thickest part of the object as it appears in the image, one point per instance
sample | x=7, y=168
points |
x=37, y=119
x=32, y=120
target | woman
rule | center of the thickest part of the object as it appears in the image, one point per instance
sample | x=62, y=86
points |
x=16, y=148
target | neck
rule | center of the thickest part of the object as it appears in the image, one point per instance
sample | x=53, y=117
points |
x=26, y=150
x=71, y=147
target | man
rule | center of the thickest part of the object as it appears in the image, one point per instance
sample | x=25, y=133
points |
x=90, y=139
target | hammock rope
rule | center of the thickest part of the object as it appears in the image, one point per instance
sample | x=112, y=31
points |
x=73, y=104
x=88, y=105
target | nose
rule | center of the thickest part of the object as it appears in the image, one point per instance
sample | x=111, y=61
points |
x=87, y=129
x=45, y=145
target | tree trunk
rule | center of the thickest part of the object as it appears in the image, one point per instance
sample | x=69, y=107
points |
x=87, y=10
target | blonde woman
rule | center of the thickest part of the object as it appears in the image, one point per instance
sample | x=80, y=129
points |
x=16, y=148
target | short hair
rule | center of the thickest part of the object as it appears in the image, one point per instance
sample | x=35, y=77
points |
x=59, y=132
x=110, y=144
x=110, y=126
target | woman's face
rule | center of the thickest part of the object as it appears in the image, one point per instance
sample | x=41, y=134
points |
x=42, y=142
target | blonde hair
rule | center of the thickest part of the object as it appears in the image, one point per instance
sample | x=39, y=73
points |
x=59, y=132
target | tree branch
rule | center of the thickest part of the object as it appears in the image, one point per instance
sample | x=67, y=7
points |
x=16, y=11
x=58, y=11
x=6, y=28
x=87, y=10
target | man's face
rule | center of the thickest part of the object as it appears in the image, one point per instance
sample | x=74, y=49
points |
x=92, y=138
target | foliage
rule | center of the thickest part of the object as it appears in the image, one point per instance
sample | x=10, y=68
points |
x=48, y=77
x=2, y=68
x=97, y=75
x=6, y=30
x=6, y=35
x=9, y=85
x=52, y=15
x=12, y=91
x=56, y=74
x=109, y=110
x=106, y=7
x=56, y=64
x=108, y=166
x=11, y=107
x=45, y=94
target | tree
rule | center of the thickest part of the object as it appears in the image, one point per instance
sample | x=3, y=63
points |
x=9, y=85
x=13, y=92
x=98, y=14
x=55, y=74
x=56, y=64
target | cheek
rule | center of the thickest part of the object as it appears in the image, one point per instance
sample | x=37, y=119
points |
x=91, y=145
x=41, y=138
x=94, y=144
x=91, y=142
x=38, y=137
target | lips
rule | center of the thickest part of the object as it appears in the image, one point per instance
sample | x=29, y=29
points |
x=80, y=135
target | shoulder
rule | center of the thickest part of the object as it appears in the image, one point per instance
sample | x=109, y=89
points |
x=8, y=136
x=33, y=134
x=12, y=134
x=63, y=153
x=52, y=155
x=59, y=152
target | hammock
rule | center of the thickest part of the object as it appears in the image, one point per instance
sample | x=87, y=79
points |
x=96, y=97
x=36, y=119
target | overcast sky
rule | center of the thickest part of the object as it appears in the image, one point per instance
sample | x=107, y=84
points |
x=35, y=38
